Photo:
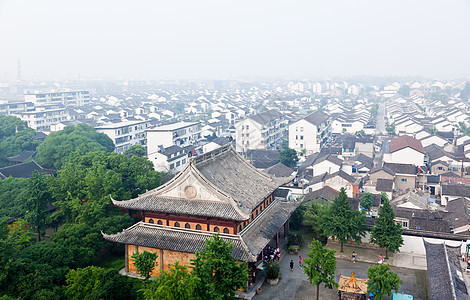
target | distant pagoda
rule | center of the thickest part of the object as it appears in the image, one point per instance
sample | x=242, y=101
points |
x=218, y=192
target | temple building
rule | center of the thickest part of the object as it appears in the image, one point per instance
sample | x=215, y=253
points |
x=217, y=192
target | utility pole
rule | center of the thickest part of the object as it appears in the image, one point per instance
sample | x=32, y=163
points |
x=18, y=62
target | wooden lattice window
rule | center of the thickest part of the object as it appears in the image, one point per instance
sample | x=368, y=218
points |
x=151, y=221
x=187, y=226
x=226, y=230
x=177, y=224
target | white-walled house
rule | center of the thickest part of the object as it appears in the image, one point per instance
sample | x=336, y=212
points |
x=177, y=134
x=307, y=133
x=326, y=164
x=261, y=131
x=169, y=160
x=404, y=150
x=125, y=134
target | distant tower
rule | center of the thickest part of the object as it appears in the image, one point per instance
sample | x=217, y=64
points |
x=19, y=69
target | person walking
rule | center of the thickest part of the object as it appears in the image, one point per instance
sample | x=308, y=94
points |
x=381, y=259
x=291, y=264
x=354, y=257
x=300, y=261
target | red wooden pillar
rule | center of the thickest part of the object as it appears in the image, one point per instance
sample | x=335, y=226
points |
x=277, y=239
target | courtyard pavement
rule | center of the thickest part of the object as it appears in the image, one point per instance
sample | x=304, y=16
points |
x=295, y=284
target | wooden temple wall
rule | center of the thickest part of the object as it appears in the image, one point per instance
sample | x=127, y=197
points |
x=164, y=260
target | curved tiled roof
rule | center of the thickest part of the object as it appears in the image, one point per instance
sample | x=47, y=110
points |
x=176, y=239
x=203, y=208
x=236, y=185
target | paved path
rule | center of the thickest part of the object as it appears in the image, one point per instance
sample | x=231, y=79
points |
x=295, y=285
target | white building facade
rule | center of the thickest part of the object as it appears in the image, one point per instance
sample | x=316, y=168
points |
x=126, y=134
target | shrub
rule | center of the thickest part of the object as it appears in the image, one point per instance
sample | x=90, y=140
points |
x=295, y=239
x=272, y=270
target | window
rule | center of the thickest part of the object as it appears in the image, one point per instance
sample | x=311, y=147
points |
x=240, y=227
x=243, y=127
x=247, y=127
x=404, y=224
x=178, y=164
x=404, y=180
x=177, y=224
x=256, y=213
x=198, y=227
x=172, y=166
x=159, y=222
x=247, y=135
x=151, y=221
x=296, y=137
x=216, y=229
x=187, y=226
x=439, y=168
x=301, y=137
x=301, y=145
x=226, y=230
x=183, y=161
x=301, y=129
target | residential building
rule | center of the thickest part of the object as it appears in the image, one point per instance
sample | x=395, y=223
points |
x=307, y=134
x=404, y=150
x=71, y=98
x=169, y=160
x=125, y=134
x=41, y=120
x=265, y=130
x=180, y=134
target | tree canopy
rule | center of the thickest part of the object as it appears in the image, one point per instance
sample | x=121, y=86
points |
x=15, y=137
x=136, y=150
x=97, y=283
x=219, y=273
x=367, y=200
x=341, y=222
x=145, y=263
x=84, y=185
x=38, y=199
x=289, y=157
x=177, y=283
x=320, y=265
x=386, y=232
x=382, y=281
x=54, y=151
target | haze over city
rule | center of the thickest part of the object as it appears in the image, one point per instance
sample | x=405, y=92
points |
x=229, y=39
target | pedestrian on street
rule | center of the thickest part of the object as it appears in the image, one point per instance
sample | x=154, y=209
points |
x=291, y=265
x=300, y=261
x=354, y=257
x=381, y=259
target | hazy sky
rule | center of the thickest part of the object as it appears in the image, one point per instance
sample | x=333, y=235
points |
x=227, y=39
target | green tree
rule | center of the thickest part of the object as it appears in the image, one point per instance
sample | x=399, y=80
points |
x=382, y=281
x=367, y=200
x=312, y=218
x=219, y=273
x=38, y=198
x=289, y=157
x=145, y=263
x=136, y=150
x=81, y=139
x=20, y=234
x=13, y=196
x=15, y=137
x=320, y=266
x=386, y=232
x=97, y=283
x=463, y=128
x=85, y=182
x=390, y=127
x=85, y=241
x=177, y=283
x=341, y=222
